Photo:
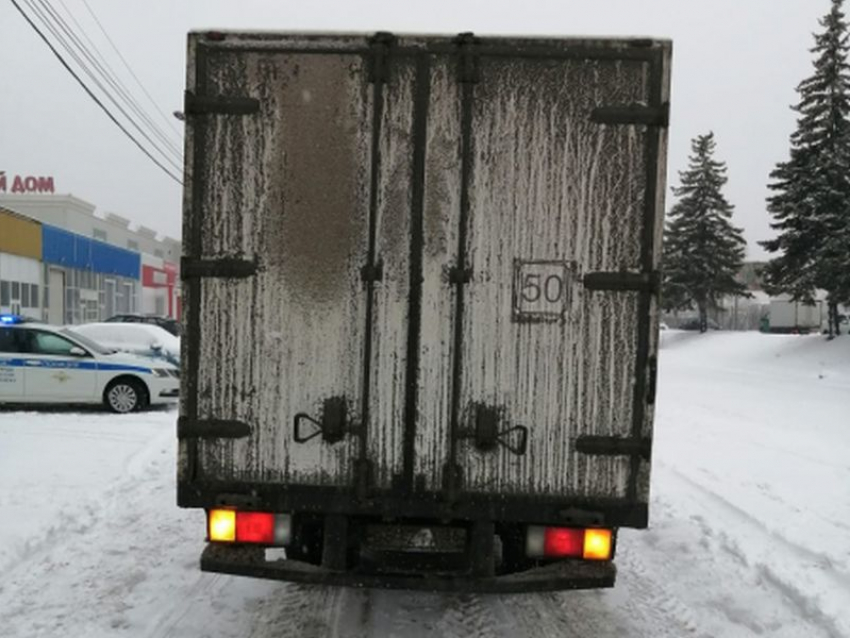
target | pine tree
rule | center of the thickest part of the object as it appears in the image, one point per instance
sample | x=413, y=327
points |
x=703, y=251
x=811, y=200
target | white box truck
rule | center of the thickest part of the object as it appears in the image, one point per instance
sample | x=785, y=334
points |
x=795, y=317
x=420, y=282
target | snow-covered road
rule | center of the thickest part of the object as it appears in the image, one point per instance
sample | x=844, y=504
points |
x=750, y=524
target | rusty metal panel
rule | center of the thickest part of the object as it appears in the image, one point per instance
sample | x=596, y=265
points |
x=553, y=195
x=288, y=188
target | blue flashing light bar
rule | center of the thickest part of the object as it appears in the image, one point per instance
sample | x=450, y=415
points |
x=10, y=319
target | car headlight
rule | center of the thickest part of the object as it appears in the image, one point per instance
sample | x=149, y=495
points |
x=174, y=372
x=160, y=372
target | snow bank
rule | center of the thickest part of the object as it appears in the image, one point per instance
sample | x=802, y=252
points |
x=752, y=443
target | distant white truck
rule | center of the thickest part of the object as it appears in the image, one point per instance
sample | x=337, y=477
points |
x=795, y=317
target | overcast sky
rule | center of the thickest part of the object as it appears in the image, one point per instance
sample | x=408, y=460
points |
x=736, y=64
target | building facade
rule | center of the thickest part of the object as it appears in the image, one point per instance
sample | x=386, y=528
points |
x=160, y=287
x=78, y=216
x=20, y=265
x=61, y=263
x=97, y=280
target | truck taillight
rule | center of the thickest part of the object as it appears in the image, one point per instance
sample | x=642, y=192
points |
x=569, y=542
x=597, y=544
x=221, y=525
x=254, y=527
x=232, y=526
x=563, y=541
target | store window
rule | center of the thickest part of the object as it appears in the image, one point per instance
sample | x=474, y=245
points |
x=25, y=295
x=5, y=293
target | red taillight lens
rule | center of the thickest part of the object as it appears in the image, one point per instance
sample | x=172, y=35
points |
x=569, y=542
x=562, y=541
x=254, y=527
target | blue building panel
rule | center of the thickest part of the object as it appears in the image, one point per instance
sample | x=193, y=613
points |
x=57, y=247
x=112, y=260
x=62, y=248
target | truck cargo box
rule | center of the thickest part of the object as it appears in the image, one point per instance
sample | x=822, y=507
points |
x=787, y=316
x=420, y=279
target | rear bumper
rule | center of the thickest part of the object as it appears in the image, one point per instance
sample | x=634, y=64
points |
x=567, y=574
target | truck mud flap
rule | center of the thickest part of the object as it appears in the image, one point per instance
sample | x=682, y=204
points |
x=250, y=561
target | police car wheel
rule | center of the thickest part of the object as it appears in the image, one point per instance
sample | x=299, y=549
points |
x=124, y=395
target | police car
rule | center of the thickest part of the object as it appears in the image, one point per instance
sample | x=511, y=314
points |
x=46, y=364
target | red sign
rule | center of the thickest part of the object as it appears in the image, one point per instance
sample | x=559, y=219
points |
x=158, y=277
x=25, y=184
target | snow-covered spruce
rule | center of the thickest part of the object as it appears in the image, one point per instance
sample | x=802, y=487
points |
x=811, y=190
x=703, y=251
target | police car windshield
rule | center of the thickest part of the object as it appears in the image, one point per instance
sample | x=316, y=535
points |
x=85, y=341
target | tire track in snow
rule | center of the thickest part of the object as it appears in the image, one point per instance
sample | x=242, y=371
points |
x=293, y=610
x=638, y=607
x=92, y=511
x=468, y=615
x=81, y=581
x=822, y=560
x=205, y=586
x=808, y=606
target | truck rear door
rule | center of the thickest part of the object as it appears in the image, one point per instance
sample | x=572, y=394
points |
x=424, y=266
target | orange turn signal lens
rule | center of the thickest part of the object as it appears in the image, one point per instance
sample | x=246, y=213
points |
x=222, y=525
x=597, y=544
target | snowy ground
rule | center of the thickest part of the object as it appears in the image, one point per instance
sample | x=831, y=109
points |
x=750, y=524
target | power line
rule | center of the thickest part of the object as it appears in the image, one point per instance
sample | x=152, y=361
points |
x=115, y=83
x=104, y=91
x=127, y=66
x=45, y=19
x=108, y=72
x=92, y=95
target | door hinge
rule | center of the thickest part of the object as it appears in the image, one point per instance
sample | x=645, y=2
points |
x=380, y=46
x=623, y=280
x=219, y=104
x=614, y=446
x=468, y=67
x=652, y=381
x=371, y=273
x=211, y=429
x=632, y=114
x=458, y=275
x=232, y=267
